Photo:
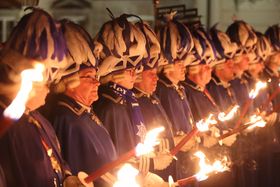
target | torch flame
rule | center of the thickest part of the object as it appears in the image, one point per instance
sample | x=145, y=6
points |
x=203, y=125
x=222, y=116
x=170, y=181
x=260, y=85
x=257, y=121
x=150, y=141
x=28, y=76
x=205, y=169
x=127, y=177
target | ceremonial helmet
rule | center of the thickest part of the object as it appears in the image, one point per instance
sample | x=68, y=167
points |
x=36, y=37
x=273, y=36
x=243, y=35
x=119, y=45
x=204, y=50
x=152, y=46
x=175, y=40
x=263, y=48
x=225, y=49
x=78, y=56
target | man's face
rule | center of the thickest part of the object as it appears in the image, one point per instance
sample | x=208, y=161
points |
x=276, y=58
x=179, y=71
x=128, y=78
x=87, y=91
x=241, y=64
x=256, y=69
x=37, y=95
x=149, y=81
x=205, y=73
x=226, y=72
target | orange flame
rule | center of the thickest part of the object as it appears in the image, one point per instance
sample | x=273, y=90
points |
x=150, y=141
x=222, y=116
x=127, y=177
x=259, y=85
x=206, y=169
x=28, y=76
x=203, y=125
x=257, y=121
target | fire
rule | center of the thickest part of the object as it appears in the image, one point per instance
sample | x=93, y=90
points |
x=225, y=117
x=28, y=76
x=170, y=181
x=150, y=141
x=127, y=177
x=203, y=125
x=259, y=85
x=257, y=121
x=206, y=169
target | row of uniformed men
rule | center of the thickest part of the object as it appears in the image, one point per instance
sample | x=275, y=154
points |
x=145, y=83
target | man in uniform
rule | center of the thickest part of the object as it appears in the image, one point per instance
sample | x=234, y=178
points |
x=272, y=63
x=151, y=108
x=121, y=48
x=176, y=44
x=85, y=143
x=30, y=150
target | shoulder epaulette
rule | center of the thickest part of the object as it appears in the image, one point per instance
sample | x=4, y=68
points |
x=165, y=83
x=77, y=110
x=113, y=97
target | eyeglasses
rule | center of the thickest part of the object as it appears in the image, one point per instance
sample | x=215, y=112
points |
x=90, y=78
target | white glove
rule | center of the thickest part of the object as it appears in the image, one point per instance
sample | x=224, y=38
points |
x=164, y=145
x=144, y=164
x=188, y=146
x=72, y=181
x=209, y=141
x=162, y=161
x=215, y=132
x=229, y=140
x=109, y=178
x=153, y=180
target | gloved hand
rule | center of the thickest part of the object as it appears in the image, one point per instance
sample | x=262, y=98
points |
x=162, y=160
x=188, y=146
x=72, y=181
x=215, y=132
x=229, y=140
x=164, y=145
x=153, y=180
x=209, y=140
x=109, y=178
x=144, y=164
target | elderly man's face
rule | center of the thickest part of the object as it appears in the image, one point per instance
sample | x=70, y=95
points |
x=87, y=91
x=128, y=78
x=149, y=81
x=256, y=69
x=37, y=96
x=179, y=71
x=205, y=73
